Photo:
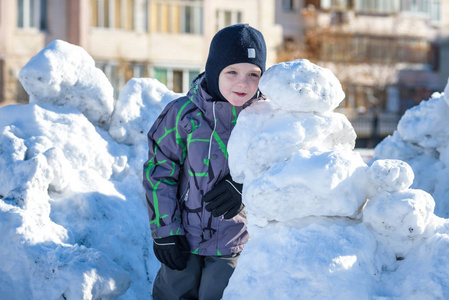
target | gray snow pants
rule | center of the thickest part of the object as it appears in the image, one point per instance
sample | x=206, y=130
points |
x=204, y=278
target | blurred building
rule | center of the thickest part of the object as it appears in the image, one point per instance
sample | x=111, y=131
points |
x=164, y=39
x=388, y=54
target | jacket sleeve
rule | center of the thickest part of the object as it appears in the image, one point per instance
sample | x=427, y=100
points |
x=161, y=173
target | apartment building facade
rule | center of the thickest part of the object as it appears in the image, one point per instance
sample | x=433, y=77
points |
x=409, y=36
x=163, y=39
x=388, y=54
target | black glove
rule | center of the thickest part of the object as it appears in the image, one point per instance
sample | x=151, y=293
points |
x=225, y=198
x=172, y=251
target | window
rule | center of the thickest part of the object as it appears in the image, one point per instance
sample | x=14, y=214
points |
x=431, y=8
x=161, y=75
x=193, y=75
x=227, y=17
x=163, y=16
x=433, y=57
x=32, y=14
x=139, y=70
x=119, y=73
x=192, y=19
x=287, y=5
x=335, y=4
x=379, y=6
x=435, y=12
x=178, y=16
x=120, y=14
x=393, y=99
x=114, y=74
x=177, y=80
x=416, y=5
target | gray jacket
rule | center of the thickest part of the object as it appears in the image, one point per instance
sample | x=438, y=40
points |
x=187, y=157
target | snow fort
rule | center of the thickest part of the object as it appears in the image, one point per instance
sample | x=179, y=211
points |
x=324, y=224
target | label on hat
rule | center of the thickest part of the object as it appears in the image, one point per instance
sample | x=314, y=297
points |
x=251, y=53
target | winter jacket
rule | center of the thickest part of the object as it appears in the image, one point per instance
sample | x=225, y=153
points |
x=187, y=157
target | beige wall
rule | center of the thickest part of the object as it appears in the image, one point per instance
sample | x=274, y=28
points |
x=57, y=20
x=69, y=20
x=291, y=21
x=184, y=50
x=272, y=32
x=17, y=47
x=258, y=14
x=117, y=44
x=444, y=13
x=169, y=48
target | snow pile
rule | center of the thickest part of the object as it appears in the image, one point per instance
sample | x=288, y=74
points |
x=276, y=150
x=132, y=117
x=398, y=215
x=64, y=74
x=74, y=218
x=304, y=188
x=422, y=140
x=73, y=214
x=318, y=88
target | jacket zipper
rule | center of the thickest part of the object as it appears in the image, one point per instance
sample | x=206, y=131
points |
x=212, y=134
x=185, y=196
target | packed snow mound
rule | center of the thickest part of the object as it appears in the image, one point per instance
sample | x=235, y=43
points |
x=305, y=87
x=310, y=258
x=425, y=134
x=59, y=207
x=400, y=218
x=390, y=175
x=65, y=75
x=74, y=221
x=30, y=135
x=330, y=183
x=276, y=148
x=262, y=139
x=422, y=140
x=75, y=224
x=305, y=188
x=131, y=118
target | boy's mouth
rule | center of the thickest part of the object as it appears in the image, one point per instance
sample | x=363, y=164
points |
x=240, y=94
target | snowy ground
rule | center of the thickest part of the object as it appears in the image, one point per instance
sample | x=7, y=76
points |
x=73, y=214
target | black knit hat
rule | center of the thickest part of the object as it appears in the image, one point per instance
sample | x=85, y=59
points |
x=234, y=44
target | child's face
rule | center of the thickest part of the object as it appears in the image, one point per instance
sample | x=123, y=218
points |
x=239, y=82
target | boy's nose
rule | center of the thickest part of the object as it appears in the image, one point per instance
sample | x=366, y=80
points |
x=243, y=80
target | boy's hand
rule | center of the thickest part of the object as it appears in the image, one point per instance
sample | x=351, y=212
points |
x=172, y=251
x=225, y=198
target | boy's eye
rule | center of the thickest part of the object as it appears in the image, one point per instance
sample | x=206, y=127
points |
x=254, y=75
x=232, y=72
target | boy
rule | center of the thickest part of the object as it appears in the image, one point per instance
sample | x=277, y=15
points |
x=196, y=212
